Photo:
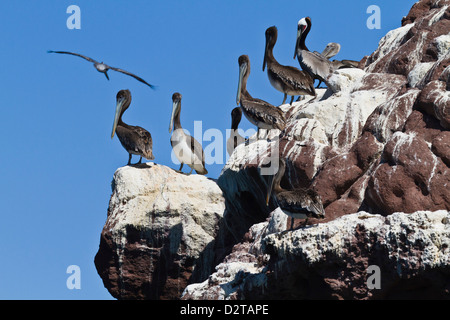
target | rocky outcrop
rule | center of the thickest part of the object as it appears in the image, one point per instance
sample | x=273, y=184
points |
x=160, y=232
x=376, y=139
x=357, y=256
x=375, y=145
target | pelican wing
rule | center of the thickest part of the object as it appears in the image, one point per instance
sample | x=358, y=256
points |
x=350, y=64
x=291, y=202
x=133, y=75
x=136, y=140
x=312, y=201
x=315, y=64
x=331, y=50
x=143, y=134
x=196, y=148
x=259, y=111
x=296, y=79
x=74, y=54
x=301, y=201
x=197, y=154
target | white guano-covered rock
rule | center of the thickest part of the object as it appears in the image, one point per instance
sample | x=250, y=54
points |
x=160, y=233
x=431, y=229
x=158, y=197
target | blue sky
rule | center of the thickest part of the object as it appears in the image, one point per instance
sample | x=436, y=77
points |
x=58, y=158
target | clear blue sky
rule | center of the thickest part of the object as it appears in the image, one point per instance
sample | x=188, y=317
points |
x=57, y=155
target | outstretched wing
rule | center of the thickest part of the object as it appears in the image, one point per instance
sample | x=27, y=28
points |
x=133, y=75
x=74, y=54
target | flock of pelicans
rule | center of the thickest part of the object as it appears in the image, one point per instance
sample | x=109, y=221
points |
x=298, y=203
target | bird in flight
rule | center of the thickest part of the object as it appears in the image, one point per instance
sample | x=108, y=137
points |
x=102, y=67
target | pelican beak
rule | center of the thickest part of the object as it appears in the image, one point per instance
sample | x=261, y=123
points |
x=175, y=106
x=119, y=106
x=242, y=70
x=265, y=54
x=299, y=33
x=269, y=188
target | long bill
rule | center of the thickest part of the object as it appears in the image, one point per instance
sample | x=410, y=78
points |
x=265, y=55
x=119, y=106
x=297, y=43
x=242, y=70
x=175, y=105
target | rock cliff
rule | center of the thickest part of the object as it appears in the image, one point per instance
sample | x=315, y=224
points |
x=375, y=145
x=160, y=232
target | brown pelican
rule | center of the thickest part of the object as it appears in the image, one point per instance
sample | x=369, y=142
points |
x=316, y=64
x=331, y=50
x=289, y=80
x=102, y=67
x=260, y=113
x=134, y=139
x=299, y=203
x=187, y=150
x=235, y=138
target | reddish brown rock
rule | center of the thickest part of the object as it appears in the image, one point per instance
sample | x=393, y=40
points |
x=441, y=146
x=427, y=21
x=340, y=175
x=410, y=176
x=418, y=10
x=391, y=116
x=434, y=99
x=423, y=125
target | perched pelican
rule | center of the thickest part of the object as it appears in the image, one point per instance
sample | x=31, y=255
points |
x=102, y=67
x=187, y=150
x=299, y=203
x=316, y=64
x=134, y=139
x=235, y=138
x=289, y=80
x=260, y=113
x=331, y=50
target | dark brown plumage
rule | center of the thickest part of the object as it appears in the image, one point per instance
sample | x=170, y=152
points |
x=235, y=138
x=300, y=203
x=259, y=112
x=134, y=139
x=287, y=79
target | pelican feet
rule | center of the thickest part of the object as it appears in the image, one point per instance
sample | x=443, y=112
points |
x=132, y=164
x=181, y=167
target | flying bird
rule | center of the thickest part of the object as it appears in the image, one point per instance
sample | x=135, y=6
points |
x=134, y=139
x=103, y=68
